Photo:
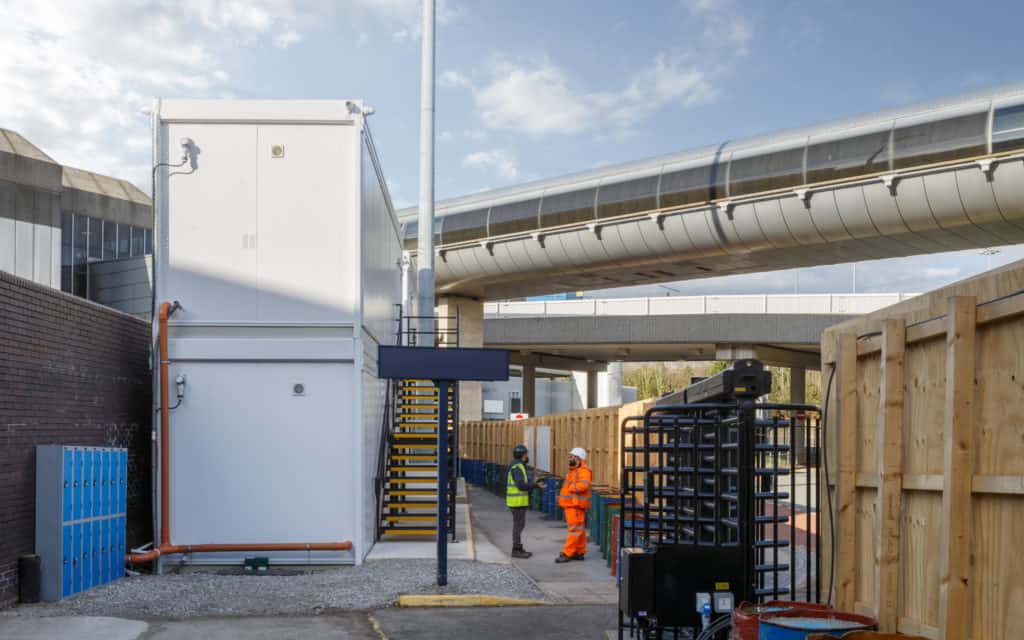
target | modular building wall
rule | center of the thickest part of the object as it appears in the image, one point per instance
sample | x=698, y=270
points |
x=925, y=460
x=279, y=241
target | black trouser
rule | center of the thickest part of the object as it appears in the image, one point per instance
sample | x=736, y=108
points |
x=518, y=524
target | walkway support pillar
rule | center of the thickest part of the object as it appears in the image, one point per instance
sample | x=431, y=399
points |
x=529, y=390
x=425, y=231
x=591, y=389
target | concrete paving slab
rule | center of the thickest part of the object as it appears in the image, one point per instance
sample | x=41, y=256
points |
x=77, y=627
x=587, y=582
x=351, y=626
x=582, y=622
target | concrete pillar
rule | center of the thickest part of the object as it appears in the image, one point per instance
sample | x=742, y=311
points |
x=470, y=319
x=797, y=385
x=610, y=386
x=591, y=389
x=529, y=390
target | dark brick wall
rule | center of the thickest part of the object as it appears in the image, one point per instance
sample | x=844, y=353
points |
x=71, y=372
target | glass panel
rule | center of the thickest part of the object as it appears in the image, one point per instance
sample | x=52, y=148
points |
x=566, y=208
x=149, y=242
x=848, y=158
x=689, y=186
x=79, y=253
x=66, y=237
x=1008, y=128
x=95, y=239
x=765, y=173
x=138, y=241
x=460, y=227
x=109, y=240
x=513, y=217
x=123, y=241
x=634, y=196
x=941, y=141
x=411, y=230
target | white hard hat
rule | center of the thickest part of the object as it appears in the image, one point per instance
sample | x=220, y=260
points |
x=579, y=453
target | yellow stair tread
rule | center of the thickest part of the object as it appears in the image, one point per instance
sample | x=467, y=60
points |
x=414, y=457
x=412, y=505
x=410, y=532
x=406, y=518
x=405, y=468
x=423, y=493
x=412, y=480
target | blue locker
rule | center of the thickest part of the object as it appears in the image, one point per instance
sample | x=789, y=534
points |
x=104, y=547
x=76, y=559
x=120, y=546
x=97, y=471
x=122, y=484
x=101, y=485
x=112, y=556
x=67, y=555
x=76, y=484
x=87, y=484
x=86, y=555
x=97, y=543
x=109, y=478
x=68, y=466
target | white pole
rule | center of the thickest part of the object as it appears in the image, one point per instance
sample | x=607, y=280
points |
x=425, y=244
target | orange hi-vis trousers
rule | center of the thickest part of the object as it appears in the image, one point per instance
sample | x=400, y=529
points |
x=576, y=538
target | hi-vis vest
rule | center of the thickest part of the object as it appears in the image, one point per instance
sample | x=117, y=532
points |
x=513, y=496
x=575, y=491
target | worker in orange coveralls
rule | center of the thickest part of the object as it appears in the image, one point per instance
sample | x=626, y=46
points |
x=575, y=500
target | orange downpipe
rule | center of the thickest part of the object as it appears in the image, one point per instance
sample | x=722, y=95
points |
x=165, y=547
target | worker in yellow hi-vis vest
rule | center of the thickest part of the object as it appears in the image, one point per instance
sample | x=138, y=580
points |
x=575, y=501
x=517, y=497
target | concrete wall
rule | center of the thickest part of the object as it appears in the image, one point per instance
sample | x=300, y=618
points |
x=75, y=373
x=553, y=396
x=125, y=285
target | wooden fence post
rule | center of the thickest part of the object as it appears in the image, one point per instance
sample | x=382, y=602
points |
x=890, y=469
x=958, y=453
x=846, y=494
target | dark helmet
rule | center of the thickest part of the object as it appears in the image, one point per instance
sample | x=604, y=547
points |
x=519, y=451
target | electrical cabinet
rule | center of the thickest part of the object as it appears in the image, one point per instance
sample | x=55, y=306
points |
x=81, y=498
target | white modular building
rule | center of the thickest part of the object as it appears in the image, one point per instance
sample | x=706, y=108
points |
x=277, y=238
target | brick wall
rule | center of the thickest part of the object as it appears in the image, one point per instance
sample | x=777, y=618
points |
x=71, y=372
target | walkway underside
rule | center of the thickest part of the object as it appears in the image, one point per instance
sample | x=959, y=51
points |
x=947, y=210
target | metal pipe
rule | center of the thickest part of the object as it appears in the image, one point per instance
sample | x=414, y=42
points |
x=425, y=230
x=165, y=547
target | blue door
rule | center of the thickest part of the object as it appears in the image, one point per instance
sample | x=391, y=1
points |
x=87, y=484
x=122, y=484
x=119, y=564
x=97, y=474
x=97, y=545
x=86, y=555
x=104, y=549
x=76, y=485
x=76, y=558
x=68, y=464
x=67, y=554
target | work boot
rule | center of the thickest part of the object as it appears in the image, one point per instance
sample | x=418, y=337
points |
x=562, y=558
x=519, y=552
x=578, y=556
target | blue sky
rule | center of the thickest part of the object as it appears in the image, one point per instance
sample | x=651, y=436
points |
x=526, y=90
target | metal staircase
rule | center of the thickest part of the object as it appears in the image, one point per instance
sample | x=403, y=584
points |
x=408, y=473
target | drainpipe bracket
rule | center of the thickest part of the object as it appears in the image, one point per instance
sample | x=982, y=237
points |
x=488, y=245
x=658, y=219
x=595, y=228
x=805, y=196
x=539, y=237
x=443, y=254
x=726, y=206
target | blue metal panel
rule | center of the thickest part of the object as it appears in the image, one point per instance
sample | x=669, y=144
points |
x=76, y=485
x=87, y=484
x=97, y=543
x=76, y=558
x=97, y=486
x=67, y=551
x=86, y=556
x=102, y=506
x=104, y=549
x=122, y=484
x=432, y=363
x=68, y=474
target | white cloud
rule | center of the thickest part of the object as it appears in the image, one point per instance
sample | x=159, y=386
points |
x=503, y=163
x=541, y=98
x=942, y=272
x=453, y=80
x=444, y=136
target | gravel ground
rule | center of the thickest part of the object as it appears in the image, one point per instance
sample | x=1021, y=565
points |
x=373, y=585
